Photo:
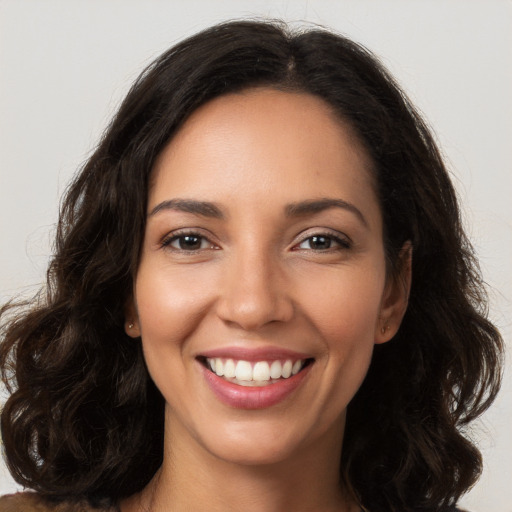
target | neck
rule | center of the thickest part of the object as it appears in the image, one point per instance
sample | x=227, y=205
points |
x=305, y=481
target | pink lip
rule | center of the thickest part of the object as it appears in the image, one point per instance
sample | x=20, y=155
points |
x=255, y=354
x=243, y=397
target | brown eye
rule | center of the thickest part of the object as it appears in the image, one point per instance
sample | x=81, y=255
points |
x=319, y=242
x=188, y=242
x=323, y=243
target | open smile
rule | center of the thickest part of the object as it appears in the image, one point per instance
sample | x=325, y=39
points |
x=255, y=373
x=253, y=380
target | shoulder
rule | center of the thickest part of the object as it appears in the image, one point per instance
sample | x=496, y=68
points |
x=32, y=502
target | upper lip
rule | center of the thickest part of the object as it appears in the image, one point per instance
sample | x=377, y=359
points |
x=254, y=354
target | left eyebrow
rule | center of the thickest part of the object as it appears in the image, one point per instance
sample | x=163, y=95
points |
x=204, y=208
x=319, y=205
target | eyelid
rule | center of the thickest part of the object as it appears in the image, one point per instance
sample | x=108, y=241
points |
x=165, y=242
x=343, y=240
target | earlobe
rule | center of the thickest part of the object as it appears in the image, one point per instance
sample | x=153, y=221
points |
x=131, y=319
x=132, y=329
x=396, y=297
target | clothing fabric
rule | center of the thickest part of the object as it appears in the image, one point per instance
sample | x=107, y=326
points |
x=32, y=502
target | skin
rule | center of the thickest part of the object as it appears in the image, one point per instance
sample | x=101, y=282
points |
x=258, y=279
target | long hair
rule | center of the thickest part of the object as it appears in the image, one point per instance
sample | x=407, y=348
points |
x=84, y=419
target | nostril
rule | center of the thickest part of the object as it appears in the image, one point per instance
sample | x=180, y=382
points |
x=253, y=313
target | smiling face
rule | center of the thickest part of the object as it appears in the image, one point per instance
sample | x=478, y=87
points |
x=262, y=284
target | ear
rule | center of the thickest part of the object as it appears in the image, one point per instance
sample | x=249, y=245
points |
x=395, y=297
x=131, y=319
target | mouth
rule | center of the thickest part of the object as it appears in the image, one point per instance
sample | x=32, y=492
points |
x=254, y=373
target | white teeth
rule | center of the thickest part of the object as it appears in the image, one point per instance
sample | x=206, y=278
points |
x=287, y=369
x=296, y=367
x=243, y=370
x=259, y=372
x=219, y=367
x=229, y=369
x=276, y=370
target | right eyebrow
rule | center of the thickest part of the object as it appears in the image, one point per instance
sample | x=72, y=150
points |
x=318, y=205
x=203, y=208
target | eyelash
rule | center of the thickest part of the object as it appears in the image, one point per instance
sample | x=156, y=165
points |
x=342, y=243
x=182, y=235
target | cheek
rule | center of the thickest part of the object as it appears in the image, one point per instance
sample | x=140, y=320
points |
x=342, y=309
x=171, y=303
x=345, y=305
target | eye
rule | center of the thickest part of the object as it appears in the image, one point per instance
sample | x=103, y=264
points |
x=187, y=242
x=323, y=242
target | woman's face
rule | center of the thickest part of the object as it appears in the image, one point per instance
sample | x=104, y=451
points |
x=262, y=285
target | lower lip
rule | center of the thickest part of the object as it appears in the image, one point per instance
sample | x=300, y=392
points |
x=257, y=397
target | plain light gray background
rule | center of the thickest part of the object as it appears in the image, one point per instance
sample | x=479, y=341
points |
x=65, y=65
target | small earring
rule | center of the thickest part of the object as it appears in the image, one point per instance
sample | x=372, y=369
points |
x=384, y=329
x=130, y=326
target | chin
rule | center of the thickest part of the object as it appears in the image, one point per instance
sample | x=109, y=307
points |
x=248, y=452
x=269, y=441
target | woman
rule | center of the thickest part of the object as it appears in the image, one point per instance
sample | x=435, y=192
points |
x=261, y=298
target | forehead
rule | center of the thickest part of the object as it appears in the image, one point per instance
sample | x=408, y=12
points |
x=263, y=143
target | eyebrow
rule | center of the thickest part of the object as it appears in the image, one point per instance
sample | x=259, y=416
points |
x=319, y=205
x=203, y=208
x=209, y=209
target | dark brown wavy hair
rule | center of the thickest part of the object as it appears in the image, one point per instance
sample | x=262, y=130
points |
x=84, y=420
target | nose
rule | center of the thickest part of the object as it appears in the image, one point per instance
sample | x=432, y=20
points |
x=255, y=292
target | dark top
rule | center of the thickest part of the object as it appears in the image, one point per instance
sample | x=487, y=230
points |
x=32, y=502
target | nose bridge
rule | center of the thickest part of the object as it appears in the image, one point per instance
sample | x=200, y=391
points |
x=254, y=291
